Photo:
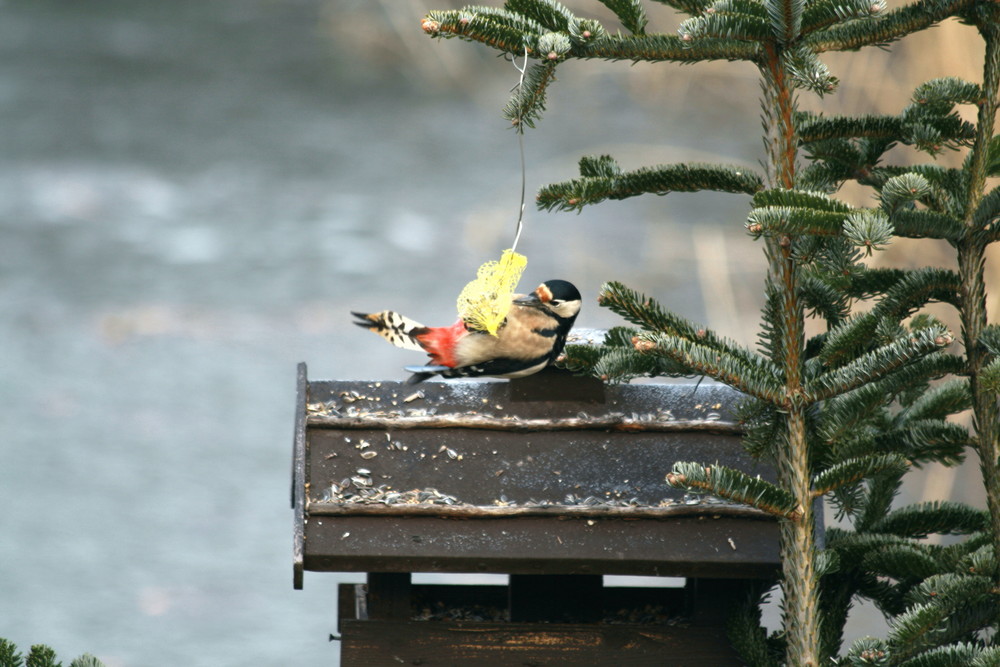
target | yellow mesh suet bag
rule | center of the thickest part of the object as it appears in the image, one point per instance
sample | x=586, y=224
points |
x=485, y=301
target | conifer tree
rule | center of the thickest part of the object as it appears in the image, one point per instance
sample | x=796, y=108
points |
x=39, y=655
x=939, y=600
x=846, y=413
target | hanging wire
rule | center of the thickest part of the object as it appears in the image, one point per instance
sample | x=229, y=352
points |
x=520, y=145
x=483, y=303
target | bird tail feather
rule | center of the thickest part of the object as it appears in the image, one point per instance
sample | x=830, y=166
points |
x=399, y=330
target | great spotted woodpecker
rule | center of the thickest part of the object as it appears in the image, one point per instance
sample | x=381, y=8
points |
x=531, y=337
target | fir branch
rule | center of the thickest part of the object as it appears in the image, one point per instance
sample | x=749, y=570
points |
x=841, y=418
x=824, y=299
x=980, y=560
x=9, y=655
x=951, y=655
x=993, y=157
x=586, y=31
x=948, y=90
x=825, y=128
x=41, y=655
x=781, y=197
x=737, y=8
x=989, y=339
x=966, y=557
x=773, y=220
x=843, y=415
x=785, y=19
x=987, y=657
x=848, y=501
x=86, y=660
x=746, y=632
x=580, y=359
x=877, y=500
x=938, y=517
x=728, y=26
x=939, y=401
x=548, y=13
x=853, y=470
x=630, y=12
x=617, y=359
x=844, y=341
x=904, y=293
x=764, y=431
x=950, y=587
x=901, y=190
x=989, y=376
x=867, y=651
x=928, y=132
x=575, y=194
x=825, y=13
x=837, y=591
x=690, y=7
x=769, y=339
x=853, y=545
x=987, y=214
x=873, y=281
x=887, y=28
x=876, y=364
x=903, y=562
x=933, y=623
x=921, y=441
x=619, y=364
x=601, y=166
x=869, y=229
x=736, y=486
x=647, y=313
x=503, y=30
x=672, y=48
x=917, y=288
x=808, y=72
x=925, y=224
x=948, y=188
x=527, y=102
x=744, y=372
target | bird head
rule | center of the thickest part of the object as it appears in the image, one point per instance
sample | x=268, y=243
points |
x=557, y=297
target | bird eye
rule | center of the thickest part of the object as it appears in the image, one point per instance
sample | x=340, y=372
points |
x=556, y=302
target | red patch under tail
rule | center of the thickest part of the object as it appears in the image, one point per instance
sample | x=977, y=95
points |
x=440, y=342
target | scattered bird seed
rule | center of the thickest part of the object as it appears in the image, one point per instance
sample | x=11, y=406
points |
x=384, y=494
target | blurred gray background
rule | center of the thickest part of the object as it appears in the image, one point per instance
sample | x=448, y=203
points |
x=193, y=195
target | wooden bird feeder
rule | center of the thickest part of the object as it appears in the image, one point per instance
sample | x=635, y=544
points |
x=554, y=480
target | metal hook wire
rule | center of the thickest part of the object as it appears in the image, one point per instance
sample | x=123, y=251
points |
x=520, y=145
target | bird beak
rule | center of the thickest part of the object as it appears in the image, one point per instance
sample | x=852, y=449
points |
x=530, y=301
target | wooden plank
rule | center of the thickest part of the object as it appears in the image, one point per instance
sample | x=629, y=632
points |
x=674, y=511
x=557, y=384
x=495, y=468
x=546, y=481
x=686, y=547
x=458, y=644
x=299, y=478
